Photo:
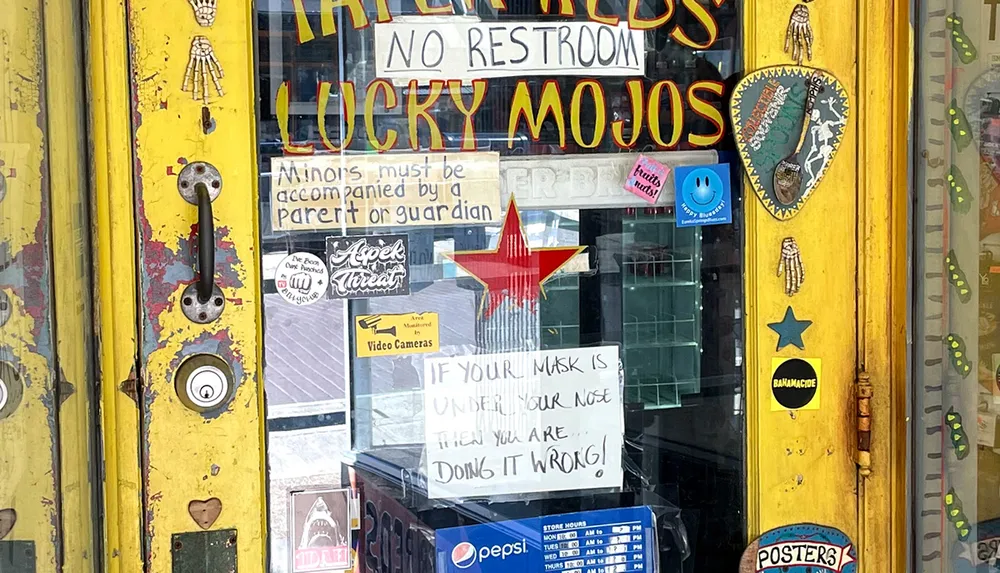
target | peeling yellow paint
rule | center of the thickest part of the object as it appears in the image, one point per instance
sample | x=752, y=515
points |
x=179, y=445
x=114, y=236
x=779, y=491
x=27, y=442
x=71, y=291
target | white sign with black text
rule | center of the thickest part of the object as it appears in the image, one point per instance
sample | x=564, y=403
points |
x=523, y=422
x=460, y=48
x=367, y=266
x=301, y=278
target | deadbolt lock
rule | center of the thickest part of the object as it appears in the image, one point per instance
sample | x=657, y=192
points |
x=204, y=383
x=11, y=389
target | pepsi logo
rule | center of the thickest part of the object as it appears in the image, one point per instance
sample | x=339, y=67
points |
x=463, y=555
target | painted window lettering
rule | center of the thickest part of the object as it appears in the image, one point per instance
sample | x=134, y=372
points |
x=549, y=104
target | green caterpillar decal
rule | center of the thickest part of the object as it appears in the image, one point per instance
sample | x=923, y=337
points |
x=956, y=276
x=958, y=189
x=956, y=350
x=959, y=439
x=953, y=506
x=961, y=132
x=960, y=41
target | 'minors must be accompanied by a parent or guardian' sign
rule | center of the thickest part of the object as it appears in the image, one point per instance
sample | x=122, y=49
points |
x=355, y=191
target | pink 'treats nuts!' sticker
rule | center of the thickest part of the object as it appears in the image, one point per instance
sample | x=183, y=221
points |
x=647, y=178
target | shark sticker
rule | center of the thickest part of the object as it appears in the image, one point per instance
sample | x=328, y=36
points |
x=320, y=534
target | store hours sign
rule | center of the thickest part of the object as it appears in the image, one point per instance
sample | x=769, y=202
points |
x=523, y=422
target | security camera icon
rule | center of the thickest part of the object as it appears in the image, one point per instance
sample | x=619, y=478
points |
x=371, y=323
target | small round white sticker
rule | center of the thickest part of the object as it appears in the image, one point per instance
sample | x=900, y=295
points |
x=301, y=278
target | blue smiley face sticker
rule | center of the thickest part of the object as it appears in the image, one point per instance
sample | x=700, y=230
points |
x=703, y=195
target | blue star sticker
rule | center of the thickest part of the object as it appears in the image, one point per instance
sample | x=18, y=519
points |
x=790, y=330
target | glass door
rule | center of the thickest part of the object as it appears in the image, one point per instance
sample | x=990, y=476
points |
x=467, y=319
x=441, y=286
x=956, y=506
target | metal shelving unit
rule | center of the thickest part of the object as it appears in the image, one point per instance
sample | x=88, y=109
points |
x=661, y=309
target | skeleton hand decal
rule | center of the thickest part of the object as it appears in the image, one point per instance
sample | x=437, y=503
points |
x=790, y=264
x=799, y=36
x=204, y=12
x=202, y=65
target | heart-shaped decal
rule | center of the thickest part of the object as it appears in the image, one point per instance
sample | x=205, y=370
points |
x=8, y=517
x=770, y=127
x=204, y=513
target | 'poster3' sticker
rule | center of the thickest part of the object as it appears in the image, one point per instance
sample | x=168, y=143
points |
x=301, y=278
x=320, y=532
x=800, y=548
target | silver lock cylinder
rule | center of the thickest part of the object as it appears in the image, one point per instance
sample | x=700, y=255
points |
x=11, y=389
x=5, y=309
x=204, y=383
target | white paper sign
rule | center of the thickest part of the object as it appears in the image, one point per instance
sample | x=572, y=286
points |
x=592, y=181
x=460, y=49
x=523, y=422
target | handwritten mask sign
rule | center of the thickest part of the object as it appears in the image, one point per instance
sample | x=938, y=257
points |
x=452, y=48
x=524, y=422
x=356, y=191
x=647, y=178
x=800, y=548
x=767, y=110
x=368, y=266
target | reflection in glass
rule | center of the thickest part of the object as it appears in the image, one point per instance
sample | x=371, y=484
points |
x=666, y=299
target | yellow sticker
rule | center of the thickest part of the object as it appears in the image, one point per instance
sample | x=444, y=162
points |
x=392, y=334
x=795, y=383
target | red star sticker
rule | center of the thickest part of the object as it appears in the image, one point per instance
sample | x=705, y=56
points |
x=513, y=270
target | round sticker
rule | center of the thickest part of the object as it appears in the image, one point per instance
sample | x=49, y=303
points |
x=794, y=383
x=301, y=278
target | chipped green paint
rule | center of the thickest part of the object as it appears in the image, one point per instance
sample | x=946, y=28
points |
x=961, y=131
x=958, y=190
x=960, y=41
x=953, y=507
x=957, y=436
x=956, y=276
x=957, y=354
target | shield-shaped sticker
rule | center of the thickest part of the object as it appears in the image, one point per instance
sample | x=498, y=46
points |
x=769, y=123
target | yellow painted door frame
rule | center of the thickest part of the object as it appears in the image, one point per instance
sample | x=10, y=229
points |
x=197, y=471
x=147, y=128
x=804, y=466
x=47, y=436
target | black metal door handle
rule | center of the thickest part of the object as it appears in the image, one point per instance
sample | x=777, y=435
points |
x=206, y=244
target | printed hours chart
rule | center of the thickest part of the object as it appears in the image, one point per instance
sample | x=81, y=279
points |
x=598, y=546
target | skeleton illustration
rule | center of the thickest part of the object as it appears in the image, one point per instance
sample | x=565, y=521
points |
x=799, y=35
x=822, y=142
x=202, y=64
x=790, y=263
x=204, y=11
